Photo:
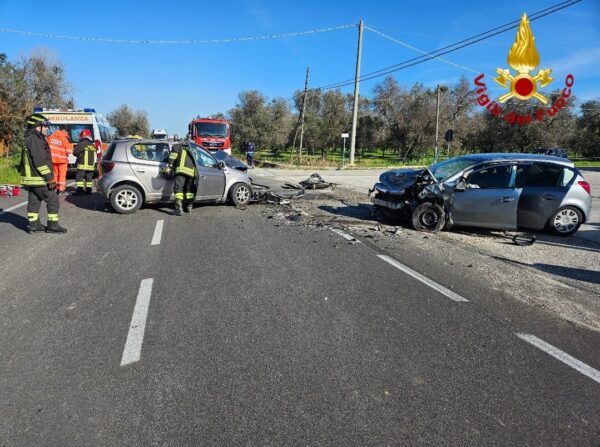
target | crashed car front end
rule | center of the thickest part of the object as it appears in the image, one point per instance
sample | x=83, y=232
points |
x=400, y=190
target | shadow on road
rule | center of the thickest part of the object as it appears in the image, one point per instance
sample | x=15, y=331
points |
x=91, y=202
x=361, y=211
x=15, y=220
x=590, y=276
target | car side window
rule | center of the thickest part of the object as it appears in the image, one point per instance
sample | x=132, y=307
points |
x=150, y=152
x=566, y=177
x=491, y=177
x=539, y=174
x=206, y=160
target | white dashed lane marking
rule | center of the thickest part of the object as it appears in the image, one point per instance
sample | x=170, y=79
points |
x=434, y=285
x=158, y=232
x=135, y=337
x=345, y=235
x=578, y=365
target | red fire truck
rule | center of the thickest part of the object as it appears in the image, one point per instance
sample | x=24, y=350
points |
x=211, y=133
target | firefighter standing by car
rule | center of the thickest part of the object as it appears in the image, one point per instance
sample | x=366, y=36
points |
x=85, y=151
x=37, y=178
x=60, y=148
x=181, y=162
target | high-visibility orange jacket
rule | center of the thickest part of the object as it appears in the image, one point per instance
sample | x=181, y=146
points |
x=60, y=146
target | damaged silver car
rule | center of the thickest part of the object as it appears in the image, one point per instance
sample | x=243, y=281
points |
x=496, y=191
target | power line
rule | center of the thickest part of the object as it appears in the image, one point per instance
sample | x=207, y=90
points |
x=418, y=50
x=176, y=42
x=453, y=47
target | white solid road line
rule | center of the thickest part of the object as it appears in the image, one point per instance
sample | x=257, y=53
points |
x=434, y=285
x=158, y=232
x=19, y=205
x=135, y=337
x=584, y=369
x=12, y=208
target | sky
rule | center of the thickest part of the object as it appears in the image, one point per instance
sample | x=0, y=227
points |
x=175, y=82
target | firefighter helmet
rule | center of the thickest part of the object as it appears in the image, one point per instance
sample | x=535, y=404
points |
x=85, y=133
x=37, y=119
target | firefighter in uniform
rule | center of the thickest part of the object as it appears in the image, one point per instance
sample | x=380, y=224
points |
x=85, y=151
x=37, y=178
x=181, y=161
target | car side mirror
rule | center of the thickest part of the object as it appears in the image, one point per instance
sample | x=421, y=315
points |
x=221, y=164
x=461, y=185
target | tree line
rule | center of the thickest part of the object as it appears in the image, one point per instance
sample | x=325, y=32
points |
x=402, y=121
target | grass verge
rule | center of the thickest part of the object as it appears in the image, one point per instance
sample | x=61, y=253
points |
x=9, y=173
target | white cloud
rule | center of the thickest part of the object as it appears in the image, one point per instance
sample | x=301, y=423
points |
x=577, y=62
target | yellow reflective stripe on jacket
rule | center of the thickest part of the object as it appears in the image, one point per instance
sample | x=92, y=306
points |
x=44, y=170
x=88, y=159
x=27, y=179
x=182, y=169
x=173, y=155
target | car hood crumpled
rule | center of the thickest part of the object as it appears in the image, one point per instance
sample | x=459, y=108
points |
x=396, y=181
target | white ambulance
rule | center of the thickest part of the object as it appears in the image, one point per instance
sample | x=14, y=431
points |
x=77, y=120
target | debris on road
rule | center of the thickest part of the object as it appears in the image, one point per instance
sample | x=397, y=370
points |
x=315, y=181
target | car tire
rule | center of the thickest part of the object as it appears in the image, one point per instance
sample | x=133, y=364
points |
x=565, y=221
x=429, y=217
x=240, y=194
x=126, y=199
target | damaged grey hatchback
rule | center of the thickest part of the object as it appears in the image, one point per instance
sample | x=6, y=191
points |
x=496, y=191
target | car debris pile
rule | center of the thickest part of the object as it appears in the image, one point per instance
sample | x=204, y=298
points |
x=264, y=194
x=315, y=181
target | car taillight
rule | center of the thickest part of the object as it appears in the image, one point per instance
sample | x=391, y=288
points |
x=585, y=185
x=98, y=144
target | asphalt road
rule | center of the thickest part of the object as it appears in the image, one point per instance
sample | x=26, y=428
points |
x=226, y=328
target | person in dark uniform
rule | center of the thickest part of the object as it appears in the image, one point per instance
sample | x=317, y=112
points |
x=181, y=161
x=37, y=177
x=85, y=151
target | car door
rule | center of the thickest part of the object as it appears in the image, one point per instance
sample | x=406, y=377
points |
x=211, y=178
x=146, y=159
x=544, y=186
x=486, y=198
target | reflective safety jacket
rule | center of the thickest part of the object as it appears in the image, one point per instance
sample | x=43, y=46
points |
x=182, y=160
x=85, y=151
x=60, y=147
x=36, y=160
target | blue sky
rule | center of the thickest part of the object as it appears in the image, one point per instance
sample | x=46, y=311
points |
x=174, y=83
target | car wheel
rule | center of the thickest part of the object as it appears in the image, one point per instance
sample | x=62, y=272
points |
x=428, y=217
x=565, y=221
x=126, y=199
x=240, y=194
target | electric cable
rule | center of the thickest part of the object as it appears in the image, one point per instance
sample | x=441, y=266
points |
x=450, y=48
x=176, y=42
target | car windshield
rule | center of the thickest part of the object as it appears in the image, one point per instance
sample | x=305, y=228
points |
x=212, y=129
x=444, y=169
x=72, y=129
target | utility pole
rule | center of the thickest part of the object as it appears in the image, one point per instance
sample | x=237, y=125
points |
x=356, y=88
x=302, y=115
x=437, y=124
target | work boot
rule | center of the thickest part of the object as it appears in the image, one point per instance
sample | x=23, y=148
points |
x=54, y=227
x=35, y=226
x=79, y=191
x=178, y=209
x=88, y=190
x=188, y=207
